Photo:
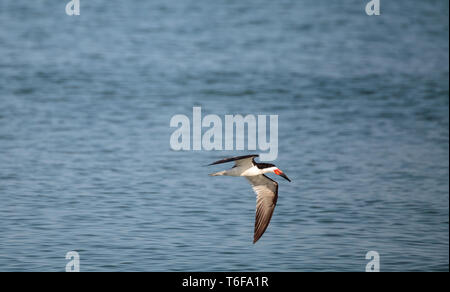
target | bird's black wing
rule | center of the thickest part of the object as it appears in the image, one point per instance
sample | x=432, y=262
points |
x=234, y=159
x=266, y=190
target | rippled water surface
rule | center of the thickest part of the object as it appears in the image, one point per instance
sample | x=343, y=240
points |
x=85, y=160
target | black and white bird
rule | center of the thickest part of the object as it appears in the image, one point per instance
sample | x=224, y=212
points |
x=266, y=189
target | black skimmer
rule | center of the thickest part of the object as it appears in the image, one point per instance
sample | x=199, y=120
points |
x=266, y=189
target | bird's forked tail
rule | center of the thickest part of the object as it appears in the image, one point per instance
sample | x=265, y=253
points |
x=218, y=173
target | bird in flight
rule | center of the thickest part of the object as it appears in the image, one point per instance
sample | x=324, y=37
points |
x=266, y=189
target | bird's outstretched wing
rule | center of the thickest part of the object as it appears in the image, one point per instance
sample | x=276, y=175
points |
x=239, y=160
x=266, y=191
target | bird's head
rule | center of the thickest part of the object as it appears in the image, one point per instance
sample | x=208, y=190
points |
x=272, y=168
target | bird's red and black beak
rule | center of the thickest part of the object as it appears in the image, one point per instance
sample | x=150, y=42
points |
x=280, y=173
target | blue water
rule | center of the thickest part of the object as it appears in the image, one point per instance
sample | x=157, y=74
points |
x=85, y=160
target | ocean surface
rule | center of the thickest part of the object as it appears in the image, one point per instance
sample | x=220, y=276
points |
x=86, y=164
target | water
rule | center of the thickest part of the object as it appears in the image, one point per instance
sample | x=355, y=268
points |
x=85, y=160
